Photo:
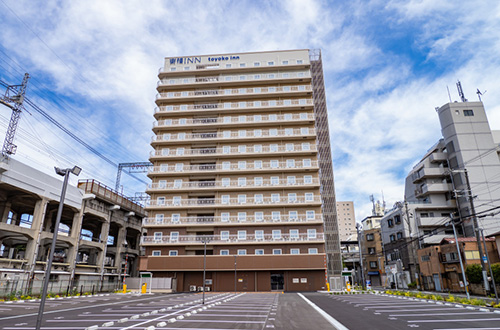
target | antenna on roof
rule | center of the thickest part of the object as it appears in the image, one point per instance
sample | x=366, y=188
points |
x=479, y=94
x=449, y=95
x=372, y=199
x=461, y=92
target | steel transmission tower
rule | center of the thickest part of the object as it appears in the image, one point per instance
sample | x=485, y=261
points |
x=13, y=98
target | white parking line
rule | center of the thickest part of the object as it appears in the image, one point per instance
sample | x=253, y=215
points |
x=413, y=310
x=331, y=320
x=454, y=320
x=438, y=314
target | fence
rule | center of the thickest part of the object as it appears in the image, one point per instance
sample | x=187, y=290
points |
x=19, y=287
x=157, y=284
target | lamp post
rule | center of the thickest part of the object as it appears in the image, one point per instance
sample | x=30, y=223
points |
x=358, y=228
x=63, y=172
x=235, y=273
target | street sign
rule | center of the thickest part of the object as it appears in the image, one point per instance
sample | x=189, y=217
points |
x=485, y=259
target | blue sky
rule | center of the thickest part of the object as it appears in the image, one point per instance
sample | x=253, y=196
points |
x=387, y=65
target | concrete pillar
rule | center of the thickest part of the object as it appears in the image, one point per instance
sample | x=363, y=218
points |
x=104, y=241
x=119, y=248
x=4, y=211
x=75, y=230
x=33, y=245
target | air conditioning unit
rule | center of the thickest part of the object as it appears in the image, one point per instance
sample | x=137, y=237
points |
x=192, y=288
x=207, y=288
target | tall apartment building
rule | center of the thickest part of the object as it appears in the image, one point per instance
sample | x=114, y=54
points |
x=242, y=168
x=346, y=221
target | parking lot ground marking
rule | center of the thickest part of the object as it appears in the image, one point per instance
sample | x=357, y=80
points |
x=413, y=310
x=454, y=320
x=496, y=328
x=439, y=314
x=331, y=320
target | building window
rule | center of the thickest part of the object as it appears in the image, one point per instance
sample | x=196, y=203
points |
x=397, y=219
x=472, y=255
x=242, y=252
x=259, y=216
x=224, y=217
x=242, y=216
x=259, y=251
x=276, y=216
x=293, y=215
x=157, y=236
x=224, y=252
x=159, y=218
x=290, y=163
x=312, y=250
x=311, y=233
x=294, y=233
x=399, y=235
x=224, y=199
x=242, y=199
x=242, y=65
x=309, y=197
x=310, y=215
x=292, y=197
x=290, y=180
x=242, y=234
x=174, y=236
x=425, y=258
x=173, y=253
x=373, y=264
x=300, y=61
x=258, y=198
x=176, y=217
x=308, y=179
x=371, y=250
x=369, y=237
x=226, y=182
x=390, y=222
x=392, y=237
x=256, y=64
x=306, y=163
x=156, y=253
x=242, y=182
x=276, y=234
x=284, y=62
x=258, y=181
x=224, y=235
x=259, y=234
x=468, y=113
x=270, y=63
x=276, y=251
x=294, y=251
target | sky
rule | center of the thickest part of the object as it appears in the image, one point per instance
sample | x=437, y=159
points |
x=387, y=66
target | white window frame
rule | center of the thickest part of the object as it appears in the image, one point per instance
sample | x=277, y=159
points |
x=277, y=251
x=224, y=252
x=173, y=253
x=156, y=253
x=242, y=252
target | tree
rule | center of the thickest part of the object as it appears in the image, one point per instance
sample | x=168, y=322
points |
x=474, y=274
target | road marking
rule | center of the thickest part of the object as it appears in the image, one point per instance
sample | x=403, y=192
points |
x=455, y=320
x=412, y=310
x=440, y=314
x=330, y=319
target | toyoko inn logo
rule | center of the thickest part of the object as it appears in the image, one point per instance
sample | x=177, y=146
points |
x=189, y=60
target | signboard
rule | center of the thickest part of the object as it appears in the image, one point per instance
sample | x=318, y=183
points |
x=208, y=281
x=485, y=259
x=295, y=280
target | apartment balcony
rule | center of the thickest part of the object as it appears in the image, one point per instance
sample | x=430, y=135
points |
x=300, y=219
x=234, y=93
x=428, y=172
x=247, y=202
x=231, y=152
x=243, y=106
x=438, y=157
x=240, y=135
x=171, y=187
x=433, y=221
x=227, y=121
x=229, y=79
x=234, y=167
x=433, y=188
x=232, y=239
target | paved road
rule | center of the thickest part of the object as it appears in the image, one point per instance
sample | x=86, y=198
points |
x=250, y=311
x=389, y=312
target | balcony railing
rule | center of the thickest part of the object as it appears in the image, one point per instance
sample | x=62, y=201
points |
x=232, y=220
x=181, y=152
x=240, y=120
x=232, y=202
x=234, y=78
x=232, y=239
x=235, y=166
x=234, y=105
x=235, y=91
x=232, y=184
x=240, y=134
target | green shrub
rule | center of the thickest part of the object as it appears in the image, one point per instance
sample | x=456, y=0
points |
x=474, y=274
x=496, y=272
x=412, y=285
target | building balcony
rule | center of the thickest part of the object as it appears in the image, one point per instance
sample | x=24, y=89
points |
x=238, y=121
x=228, y=78
x=244, y=106
x=240, y=135
x=428, y=172
x=438, y=157
x=246, y=202
x=433, y=188
x=432, y=221
x=300, y=219
x=231, y=152
x=234, y=167
x=234, y=92
x=170, y=187
x=232, y=239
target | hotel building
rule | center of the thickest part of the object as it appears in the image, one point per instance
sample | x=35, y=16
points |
x=242, y=170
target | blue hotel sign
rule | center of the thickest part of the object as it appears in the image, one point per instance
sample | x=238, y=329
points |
x=188, y=60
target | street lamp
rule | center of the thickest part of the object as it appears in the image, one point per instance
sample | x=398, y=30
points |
x=62, y=172
x=359, y=227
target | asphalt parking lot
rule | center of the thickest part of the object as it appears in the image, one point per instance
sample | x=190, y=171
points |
x=390, y=312
x=252, y=311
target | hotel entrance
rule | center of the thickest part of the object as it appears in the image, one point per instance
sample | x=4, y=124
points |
x=277, y=282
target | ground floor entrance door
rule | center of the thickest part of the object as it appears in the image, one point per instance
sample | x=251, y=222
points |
x=277, y=282
x=437, y=283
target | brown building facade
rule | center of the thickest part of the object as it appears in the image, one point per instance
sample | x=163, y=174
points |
x=240, y=142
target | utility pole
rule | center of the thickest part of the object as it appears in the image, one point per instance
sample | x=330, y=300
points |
x=358, y=228
x=466, y=284
x=15, y=102
x=476, y=231
x=416, y=264
x=489, y=265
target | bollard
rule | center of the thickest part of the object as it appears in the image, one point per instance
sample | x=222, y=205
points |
x=81, y=290
x=124, y=288
x=93, y=288
x=144, y=287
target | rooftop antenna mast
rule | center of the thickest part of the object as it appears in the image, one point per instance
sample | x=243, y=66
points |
x=461, y=92
x=13, y=98
x=479, y=94
x=372, y=199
